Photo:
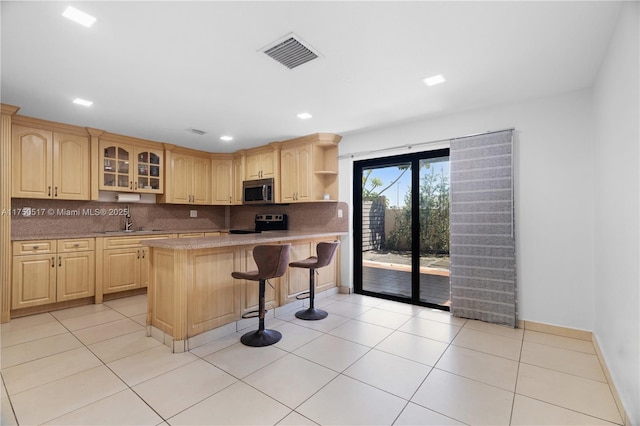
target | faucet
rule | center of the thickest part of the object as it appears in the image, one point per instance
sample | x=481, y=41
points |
x=128, y=223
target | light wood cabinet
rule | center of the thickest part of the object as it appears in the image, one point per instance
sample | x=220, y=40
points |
x=123, y=263
x=238, y=178
x=130, y=168
x=296, y=280
x=260, y=163
x=309, y=169
x=52, y=271
x=188, y=179
x=222, y=171
x=49, y=164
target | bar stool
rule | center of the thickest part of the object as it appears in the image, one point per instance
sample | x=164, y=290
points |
x=272, y=262
x=325, y=252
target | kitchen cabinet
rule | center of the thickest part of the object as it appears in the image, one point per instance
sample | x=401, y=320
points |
x=123, y=263
x=130, y=168
x=296, y=280
x=52, y=271
x=222, y=171
x=296, y=173
x=49, y=164
x=238, y=178
x=309, y=169
x=188, y=179
x=260, y=163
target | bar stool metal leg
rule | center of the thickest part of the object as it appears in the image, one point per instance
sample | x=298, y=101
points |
x=261, y=336
x=312, y=313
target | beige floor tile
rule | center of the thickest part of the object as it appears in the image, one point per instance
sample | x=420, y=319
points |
x=415, y=348
x=332, y=352
x=295, y=419
x=216, y=345
x=179, y=389
x=527, y=411
x=576, y=393
x=17, y=335
x=143, y=366
x=441, y=316
x=38, y=372
x=27, y=322
x=50, y=401
x=559, y=341
x=101, y=332
x=7, y=418
x=303, y=379
x=388, y=372
x=125, y=301
x=294, y=336
x=464, y=399
x=485, y=368
x=564, y=360
x=325, y=325
x=65, y=314
x=400, y=308
x=86, y=321
x=431, y=329
x=415, y=415
x=490, y=343
x=346, y=401
x=123, y=346
x=360, y=299
x=382, y=318
x=35, y=349
x=345, y=309
x=238, y=404
x=122, y=408
x=362, y=332
x=240, y=360
x=133, y=309
x=140, y=319
x=502, y=330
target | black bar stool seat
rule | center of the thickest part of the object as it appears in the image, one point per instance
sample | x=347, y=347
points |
x=325, y=252
x=271, y=261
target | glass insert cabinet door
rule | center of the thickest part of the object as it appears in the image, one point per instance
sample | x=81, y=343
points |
x=116, y=168
x=148, y=171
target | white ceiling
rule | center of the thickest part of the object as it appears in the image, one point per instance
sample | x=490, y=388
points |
x=155, y=69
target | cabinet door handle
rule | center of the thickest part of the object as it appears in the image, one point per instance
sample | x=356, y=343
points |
x=130, y=184
x=55, y=193
x=49, y=191
x=53, y=261
x=143, y=253
x=36, y=247
x=60, y=261
x=138, y=254
x=136, y=185
x=76, y=245
x=230, y=202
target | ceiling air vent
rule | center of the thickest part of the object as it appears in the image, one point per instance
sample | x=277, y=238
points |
x=290, y=51
x=196, y=131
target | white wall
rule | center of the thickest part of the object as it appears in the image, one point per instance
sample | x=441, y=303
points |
x=554, y=160
x=617, y=214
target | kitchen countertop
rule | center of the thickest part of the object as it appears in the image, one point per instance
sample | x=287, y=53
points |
x=227, y=240
x=120, y=233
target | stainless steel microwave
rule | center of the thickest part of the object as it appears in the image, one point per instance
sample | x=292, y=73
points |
x=260, y=191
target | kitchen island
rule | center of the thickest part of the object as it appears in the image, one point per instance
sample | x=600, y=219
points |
x=192, y=297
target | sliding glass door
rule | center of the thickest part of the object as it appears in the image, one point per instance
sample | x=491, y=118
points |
x=401, y=223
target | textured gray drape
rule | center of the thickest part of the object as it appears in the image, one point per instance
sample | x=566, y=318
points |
x=482, y=243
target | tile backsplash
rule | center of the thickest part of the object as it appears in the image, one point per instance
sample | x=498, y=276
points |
x=35, y=217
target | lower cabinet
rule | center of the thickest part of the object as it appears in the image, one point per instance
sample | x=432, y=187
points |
x=50, y=271
x=123, y=263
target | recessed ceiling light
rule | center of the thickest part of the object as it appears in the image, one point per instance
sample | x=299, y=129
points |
x=82, y=102
x=226, y=138
x=79, y=16
x=304, y=116
x=436, y=79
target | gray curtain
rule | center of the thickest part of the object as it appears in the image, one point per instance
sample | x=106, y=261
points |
x=482, y=244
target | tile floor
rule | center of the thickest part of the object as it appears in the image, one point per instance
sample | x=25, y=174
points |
x=370, y=362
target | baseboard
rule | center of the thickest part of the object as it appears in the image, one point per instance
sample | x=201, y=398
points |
x=607, y=374
x=581, y=335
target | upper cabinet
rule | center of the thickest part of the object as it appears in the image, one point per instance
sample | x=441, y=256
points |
x=130, y=168
x=47, y=163
x=309, y=169
x=261, y=163
x=188, y=178
x=222, y=172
